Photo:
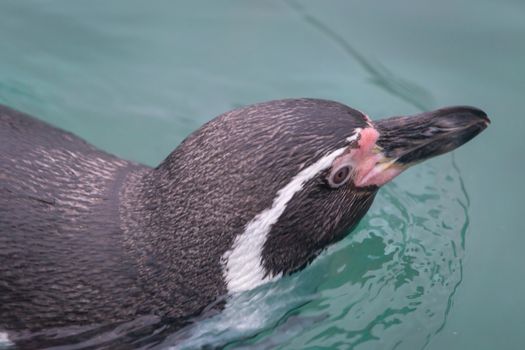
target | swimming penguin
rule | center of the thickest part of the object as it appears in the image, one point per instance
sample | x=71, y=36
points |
x=256, y=193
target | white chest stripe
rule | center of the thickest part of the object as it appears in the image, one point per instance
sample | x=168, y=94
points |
x=243, y=268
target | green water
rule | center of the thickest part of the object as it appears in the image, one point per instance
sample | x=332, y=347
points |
x=437, y=263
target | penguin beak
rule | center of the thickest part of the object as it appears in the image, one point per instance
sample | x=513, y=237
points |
x=408, y=140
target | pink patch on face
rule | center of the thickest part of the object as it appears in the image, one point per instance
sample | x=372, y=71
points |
x=368, y=139
x=368, y=171
x=367, y=142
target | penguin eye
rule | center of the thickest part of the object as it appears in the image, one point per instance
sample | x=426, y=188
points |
x=339, y=176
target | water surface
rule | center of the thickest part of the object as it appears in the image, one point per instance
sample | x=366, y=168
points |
x=437, y=262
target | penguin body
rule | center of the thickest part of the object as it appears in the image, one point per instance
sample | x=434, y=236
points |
x=256, y=193
x=61, y=259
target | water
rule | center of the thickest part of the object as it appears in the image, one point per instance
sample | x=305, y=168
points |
x=437, y=262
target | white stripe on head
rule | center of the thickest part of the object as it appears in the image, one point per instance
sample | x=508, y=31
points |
x=243, y=269
x=354, y=136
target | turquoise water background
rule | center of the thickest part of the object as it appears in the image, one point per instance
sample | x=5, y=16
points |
x=438, y=263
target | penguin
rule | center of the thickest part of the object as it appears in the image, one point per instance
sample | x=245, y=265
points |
x=255, y=194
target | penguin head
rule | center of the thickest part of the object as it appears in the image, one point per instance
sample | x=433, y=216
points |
x=271, y=185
